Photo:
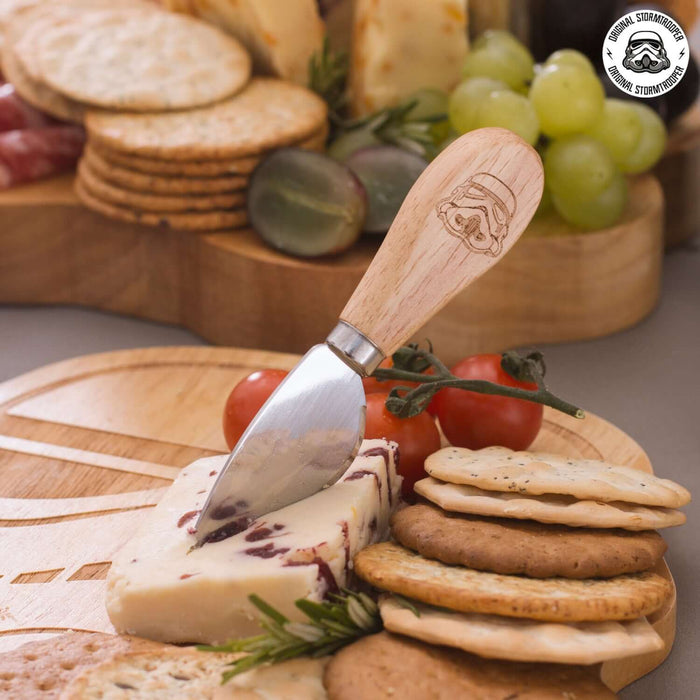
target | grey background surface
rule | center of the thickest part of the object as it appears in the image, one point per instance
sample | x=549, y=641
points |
x=645, y=380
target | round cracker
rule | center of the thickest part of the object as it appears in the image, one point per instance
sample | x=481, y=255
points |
x=156, y=202
x=524, y=547
x=201, y=221
x=42, y=668
x=535, y=473
x=142, y=59
x=39, y=17
x=267, y=114
x=389, y=667
x=160, y=184
x=390, y=567
x=210, y=168
x=37, y=94
x=497, y=637
x=561, y=510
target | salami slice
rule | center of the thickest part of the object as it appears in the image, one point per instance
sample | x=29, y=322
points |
x=31, y=154
x=15, y=113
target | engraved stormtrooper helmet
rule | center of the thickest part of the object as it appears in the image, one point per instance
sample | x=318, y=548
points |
x=645, y=53
x=479, y=212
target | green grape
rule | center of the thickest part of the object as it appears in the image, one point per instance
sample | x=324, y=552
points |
x=567, y=99
x=509, y=110
x=431, y=103
x=465, y=100
x=601, y=211
x=652, y=142
x=505, y=40
x=570, y=57
x=578, y=167
x=545, y=205
x=618, y=128
x=500, y=62
x=349, y=142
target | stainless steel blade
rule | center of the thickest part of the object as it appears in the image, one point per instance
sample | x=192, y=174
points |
x=301, y=440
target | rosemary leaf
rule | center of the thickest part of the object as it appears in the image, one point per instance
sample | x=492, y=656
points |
x=332, y=624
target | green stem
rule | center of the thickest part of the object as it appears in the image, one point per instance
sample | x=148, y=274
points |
x=415, y=400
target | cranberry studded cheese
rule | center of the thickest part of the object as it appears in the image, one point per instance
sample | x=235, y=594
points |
x=160, y=588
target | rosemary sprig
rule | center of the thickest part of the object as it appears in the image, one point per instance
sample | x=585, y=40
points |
x=411, y=361
x=328, y=74
x=334, y=623
x=396, y=126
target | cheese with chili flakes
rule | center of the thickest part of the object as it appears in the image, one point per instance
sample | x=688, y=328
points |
x=281, y=35
x=400, y=46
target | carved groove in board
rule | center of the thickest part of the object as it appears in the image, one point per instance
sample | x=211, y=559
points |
x=37, y=576
x=45, y=508
x=91, y=572
x=186, y=388
x=93, y=459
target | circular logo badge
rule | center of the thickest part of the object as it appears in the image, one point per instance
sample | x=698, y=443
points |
x=645, y=53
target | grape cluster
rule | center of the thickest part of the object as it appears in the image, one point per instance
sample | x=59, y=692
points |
x=588, y=142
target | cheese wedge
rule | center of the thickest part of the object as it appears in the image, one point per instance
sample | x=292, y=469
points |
x=160, y=588
x=280, y=35
x=400, y=46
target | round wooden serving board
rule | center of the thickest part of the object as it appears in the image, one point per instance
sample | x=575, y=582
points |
x=88, y=445
x=556, y=284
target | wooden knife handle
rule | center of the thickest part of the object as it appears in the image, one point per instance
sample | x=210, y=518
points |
x=461, y=217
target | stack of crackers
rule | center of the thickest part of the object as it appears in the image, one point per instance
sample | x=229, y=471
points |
x=528, y=557
x=190, y=169
x=175, y=122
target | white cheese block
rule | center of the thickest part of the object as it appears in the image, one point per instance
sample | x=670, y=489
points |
x=400, y=46
x=281, y=35
x=160, y=588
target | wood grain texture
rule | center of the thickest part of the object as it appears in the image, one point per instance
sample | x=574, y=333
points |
x=461, y=217
x=679, y=173
x=58, y=535
x=232, y=290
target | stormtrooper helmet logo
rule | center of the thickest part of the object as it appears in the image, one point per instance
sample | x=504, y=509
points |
x=479, y=212
x=645, y=53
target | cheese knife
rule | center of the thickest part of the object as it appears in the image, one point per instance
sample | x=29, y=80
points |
x=462, y=215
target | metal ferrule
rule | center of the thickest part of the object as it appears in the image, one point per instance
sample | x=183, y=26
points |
x=354, y=348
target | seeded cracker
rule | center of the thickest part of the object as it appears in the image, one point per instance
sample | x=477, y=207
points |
x=531, y=473
x=391, y=567
x=141, y=60
x=563, y=510
x=267, y=114
x=499, y=637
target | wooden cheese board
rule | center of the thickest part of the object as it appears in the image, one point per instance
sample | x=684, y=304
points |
x=232, y=290
x=88, y=445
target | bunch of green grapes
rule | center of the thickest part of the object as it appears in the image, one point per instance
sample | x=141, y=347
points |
x=588, y=143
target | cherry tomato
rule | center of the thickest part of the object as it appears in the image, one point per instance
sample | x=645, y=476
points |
x=476, y=420
x=417, y=437
x=374, y=386
x=247, y=399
